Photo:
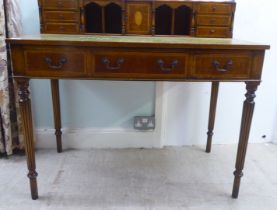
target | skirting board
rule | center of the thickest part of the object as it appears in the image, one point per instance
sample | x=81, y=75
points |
x=105, y=138
x=98, y=138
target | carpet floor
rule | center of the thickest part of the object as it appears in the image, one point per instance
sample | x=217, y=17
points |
x=183, y=178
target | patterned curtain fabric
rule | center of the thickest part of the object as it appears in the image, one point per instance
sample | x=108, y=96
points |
x=10, y=26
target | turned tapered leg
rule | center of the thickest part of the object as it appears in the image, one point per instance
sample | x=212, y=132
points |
x=26, y=114
x=57, y=112
x=247, y=114
x=213, y=103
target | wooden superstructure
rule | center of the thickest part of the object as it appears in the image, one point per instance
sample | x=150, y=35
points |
x=145, y=17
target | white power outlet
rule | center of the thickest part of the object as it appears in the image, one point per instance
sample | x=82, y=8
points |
x=144, y=123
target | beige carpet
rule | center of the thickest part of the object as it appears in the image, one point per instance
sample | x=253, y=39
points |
x=149, y=179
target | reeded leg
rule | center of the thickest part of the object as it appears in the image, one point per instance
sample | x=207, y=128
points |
x=26, y=114
x=248, y=109
x=213, y=103
x=57, y=113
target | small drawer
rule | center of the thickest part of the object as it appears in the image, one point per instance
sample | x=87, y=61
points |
x=214, y=8
x=61, y=16
x=54, y=61
x=60, y=4
x=64, y=28
x=140, y=64
x=214, y=32
x=214, y=20
x=221, y=65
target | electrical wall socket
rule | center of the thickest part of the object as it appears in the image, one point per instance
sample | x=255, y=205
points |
x=144, y=123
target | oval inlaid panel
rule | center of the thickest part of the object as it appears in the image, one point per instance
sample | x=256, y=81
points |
x=138, y=18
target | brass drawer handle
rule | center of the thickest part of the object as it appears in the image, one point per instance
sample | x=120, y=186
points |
x=59, y=65
x=108, y=66
x=161, y=63
x=225, y=68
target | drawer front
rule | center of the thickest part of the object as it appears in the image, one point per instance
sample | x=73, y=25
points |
x=221, y=65
x=61, y=16
x=138, y=18
x=214, y=8
x=61, y=28
x=128, y=64
x=60, y=4
x=56, y=62
x=214, y=32
x=214, y=20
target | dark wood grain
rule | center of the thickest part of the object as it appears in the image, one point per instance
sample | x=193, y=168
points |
x=214, y=8
x=54, y=13
x=213, y=104
x=60, y=16
x=140, y=63
x=26, y=115
x=57, y=113
x=214, y=20
x=247, y=114
x=135, y=58
x=142, y=42
x=139, y=18
x=212, y=31
x=60, y=4
x=47, y=59
x=61, y=28
x=239, y=65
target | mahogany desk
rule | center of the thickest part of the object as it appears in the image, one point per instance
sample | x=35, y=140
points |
x=135, y=58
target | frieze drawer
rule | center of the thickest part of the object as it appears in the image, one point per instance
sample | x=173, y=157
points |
x=167, y=65
x=221, y=65
x=50, y=62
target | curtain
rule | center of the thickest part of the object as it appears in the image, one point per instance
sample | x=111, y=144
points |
x=11, y=139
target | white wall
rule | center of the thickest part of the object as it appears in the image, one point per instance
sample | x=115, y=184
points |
x=182, y=108
x=188, y=104
x=87, y=104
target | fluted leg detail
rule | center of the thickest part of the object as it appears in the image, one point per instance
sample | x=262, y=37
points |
x=247, y=114
x=213, y=103
x=26, y=114
x=57, y=113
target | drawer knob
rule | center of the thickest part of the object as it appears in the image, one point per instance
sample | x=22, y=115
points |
x=61, y=28
x=214, y=8
x=61, y=17
x=108, y=66
x=212, y=21
x=161, y=63
x=212, y=31
x=60, y=4
x=59, y=65
x=226, y=67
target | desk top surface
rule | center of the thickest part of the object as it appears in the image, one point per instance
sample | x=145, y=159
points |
x=136, y=41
